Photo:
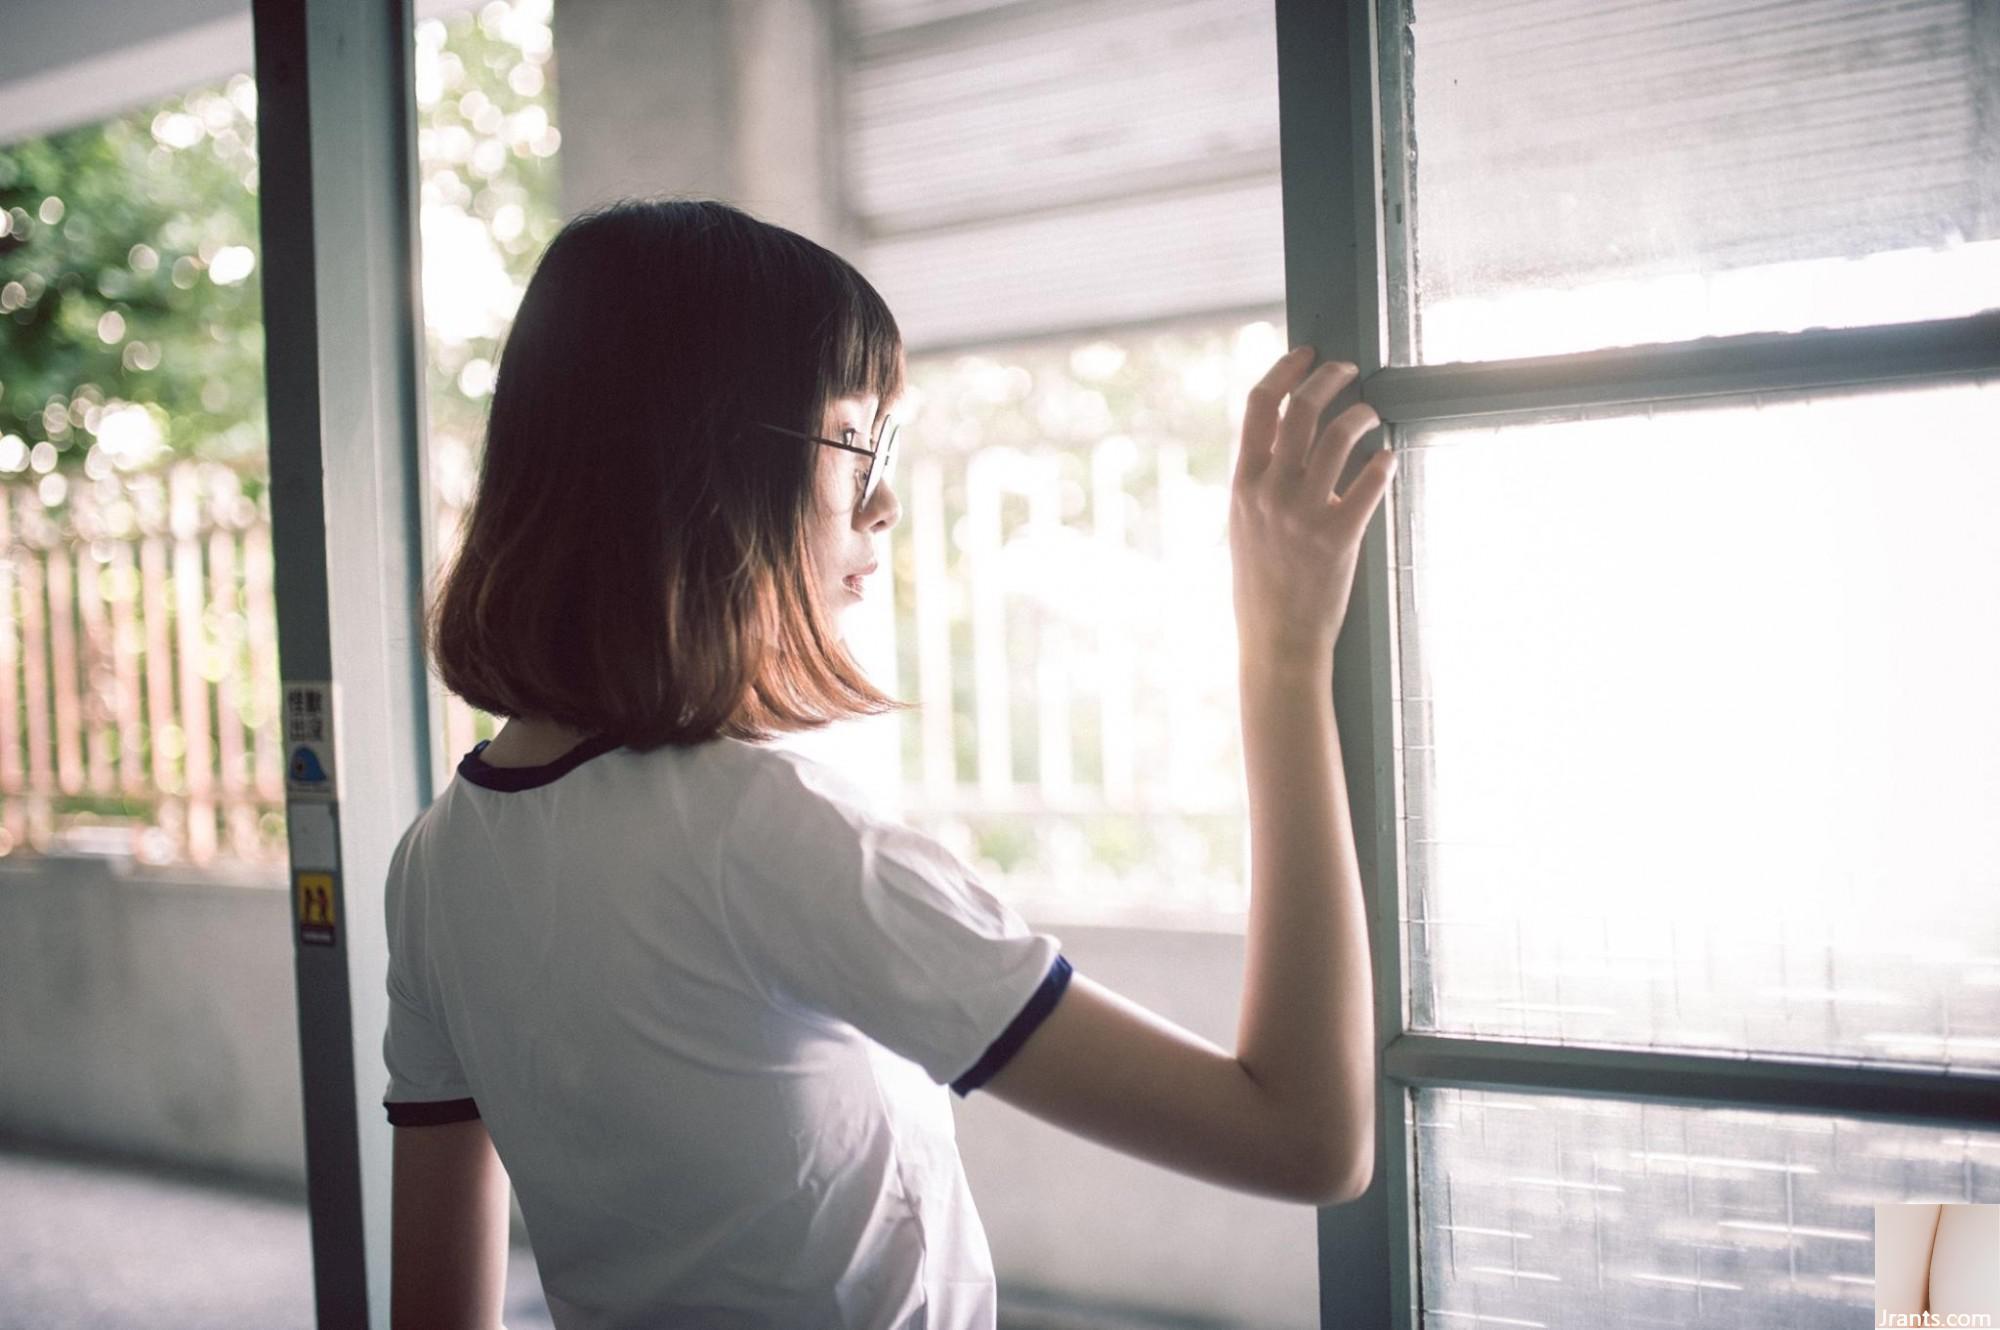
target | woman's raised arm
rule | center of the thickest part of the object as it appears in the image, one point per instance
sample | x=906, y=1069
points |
x=1292, y=1113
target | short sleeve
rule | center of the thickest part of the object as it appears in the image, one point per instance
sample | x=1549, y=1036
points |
x=849, y=915
x=426, y=1083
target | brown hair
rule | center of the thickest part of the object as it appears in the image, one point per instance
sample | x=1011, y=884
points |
x=635, y=561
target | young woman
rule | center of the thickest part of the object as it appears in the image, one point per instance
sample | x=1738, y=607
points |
x=684, y=986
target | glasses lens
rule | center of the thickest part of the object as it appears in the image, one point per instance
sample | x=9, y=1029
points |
x=883, y=458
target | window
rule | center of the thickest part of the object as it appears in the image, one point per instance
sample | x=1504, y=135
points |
x=1581, y=869
x=1688, y=333
x=1591, y=176
x=1565, y=1212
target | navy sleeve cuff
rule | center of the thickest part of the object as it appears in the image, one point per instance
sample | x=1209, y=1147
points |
x=1039, y=1005
x=434, y=1113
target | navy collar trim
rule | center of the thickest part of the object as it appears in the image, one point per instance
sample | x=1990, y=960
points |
x=476, y=769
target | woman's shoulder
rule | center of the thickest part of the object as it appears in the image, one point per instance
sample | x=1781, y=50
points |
x=782, y=779
x=785, y=806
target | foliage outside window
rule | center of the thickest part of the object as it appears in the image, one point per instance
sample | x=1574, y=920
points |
x=139, y=681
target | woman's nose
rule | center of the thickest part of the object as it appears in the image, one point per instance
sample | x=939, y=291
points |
x=883, y=510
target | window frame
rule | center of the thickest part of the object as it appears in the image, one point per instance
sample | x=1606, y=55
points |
x=1344, y=130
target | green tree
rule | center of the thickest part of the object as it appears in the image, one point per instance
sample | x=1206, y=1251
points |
x=128, y=276
x=130, y=328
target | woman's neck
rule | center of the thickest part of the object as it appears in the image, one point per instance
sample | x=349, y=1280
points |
x=527, y=741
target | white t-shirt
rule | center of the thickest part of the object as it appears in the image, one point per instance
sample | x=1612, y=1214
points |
x=706, y=1002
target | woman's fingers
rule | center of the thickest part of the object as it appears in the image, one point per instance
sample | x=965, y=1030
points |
x=1336, y=443
x=1260, y=414
x=1367, y=488
x=1291, y=544
x=1302, y=413
x=1306, y=466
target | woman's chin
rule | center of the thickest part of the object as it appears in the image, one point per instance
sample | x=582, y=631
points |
x=838, y=603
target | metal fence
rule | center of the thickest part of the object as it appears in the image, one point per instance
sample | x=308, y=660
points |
x=1067, y=620
x=138, y=669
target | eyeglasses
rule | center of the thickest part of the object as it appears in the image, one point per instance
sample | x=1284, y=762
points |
x=880, y=458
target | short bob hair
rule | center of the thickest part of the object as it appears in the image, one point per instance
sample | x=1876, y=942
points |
x=635, y=562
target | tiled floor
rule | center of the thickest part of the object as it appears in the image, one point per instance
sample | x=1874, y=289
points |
x=92, y=1245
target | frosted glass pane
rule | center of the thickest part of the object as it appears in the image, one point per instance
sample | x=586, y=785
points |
x=1701, y=731
x=1577, y=1214
x=1592, y=175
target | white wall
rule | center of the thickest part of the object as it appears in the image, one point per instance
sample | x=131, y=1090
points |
x=726, y=99
x=151, y=1015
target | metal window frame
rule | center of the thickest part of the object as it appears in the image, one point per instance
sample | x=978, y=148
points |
x=351, y=539
x=1344, y=134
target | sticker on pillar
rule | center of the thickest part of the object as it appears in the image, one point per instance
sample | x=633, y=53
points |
x=309, y=770
x=315, y=906
x=314, y=842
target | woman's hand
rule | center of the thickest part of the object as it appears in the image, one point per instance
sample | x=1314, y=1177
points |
x=1293, y=544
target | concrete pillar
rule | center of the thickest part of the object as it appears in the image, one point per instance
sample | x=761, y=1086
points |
x=729, y=99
